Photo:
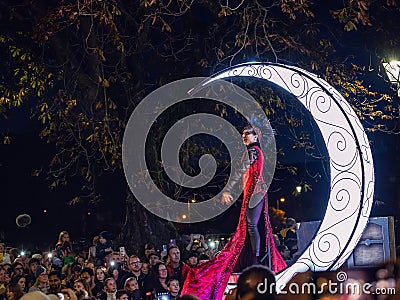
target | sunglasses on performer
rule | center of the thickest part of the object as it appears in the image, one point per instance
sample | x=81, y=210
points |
x=249, y=132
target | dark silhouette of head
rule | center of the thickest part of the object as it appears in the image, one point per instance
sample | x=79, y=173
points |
x=188, y=297
x=256, y=283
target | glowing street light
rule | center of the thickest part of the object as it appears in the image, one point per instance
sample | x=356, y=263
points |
x=281, y=201
x=392, y=69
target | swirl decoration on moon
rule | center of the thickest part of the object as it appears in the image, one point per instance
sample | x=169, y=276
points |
x=351, y=165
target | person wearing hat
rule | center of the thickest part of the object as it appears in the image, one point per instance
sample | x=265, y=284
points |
x=42, y=280
x=39, y=257
x=103, y=248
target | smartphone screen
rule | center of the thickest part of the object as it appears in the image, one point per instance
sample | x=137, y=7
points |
x=60, y=296
x=163, y=297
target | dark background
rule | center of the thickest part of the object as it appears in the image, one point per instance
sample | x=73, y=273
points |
x=24, y=193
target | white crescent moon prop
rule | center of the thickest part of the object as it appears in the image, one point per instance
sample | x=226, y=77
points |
x=351, y=165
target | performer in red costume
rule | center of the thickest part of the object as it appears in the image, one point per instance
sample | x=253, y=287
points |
x=208, y=281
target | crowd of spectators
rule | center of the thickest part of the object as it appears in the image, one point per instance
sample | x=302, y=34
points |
x=99, y=271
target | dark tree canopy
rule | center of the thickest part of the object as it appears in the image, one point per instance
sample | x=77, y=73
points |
x=83, y=66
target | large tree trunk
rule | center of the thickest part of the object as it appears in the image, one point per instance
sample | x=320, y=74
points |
x=143, y=227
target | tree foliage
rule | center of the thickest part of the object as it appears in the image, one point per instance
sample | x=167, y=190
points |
x=84, y=65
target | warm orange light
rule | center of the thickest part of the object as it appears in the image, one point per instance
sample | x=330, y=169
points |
x=183, y=216
x=282, y=199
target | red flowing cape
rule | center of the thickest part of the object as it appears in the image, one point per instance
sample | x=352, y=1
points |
x=209, y=280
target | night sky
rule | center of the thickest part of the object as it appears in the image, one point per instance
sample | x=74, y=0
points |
x=25, y=193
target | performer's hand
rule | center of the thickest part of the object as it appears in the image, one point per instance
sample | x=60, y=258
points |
x=226, y=198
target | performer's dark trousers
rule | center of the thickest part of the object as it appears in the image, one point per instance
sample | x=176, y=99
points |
x=253, y=213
